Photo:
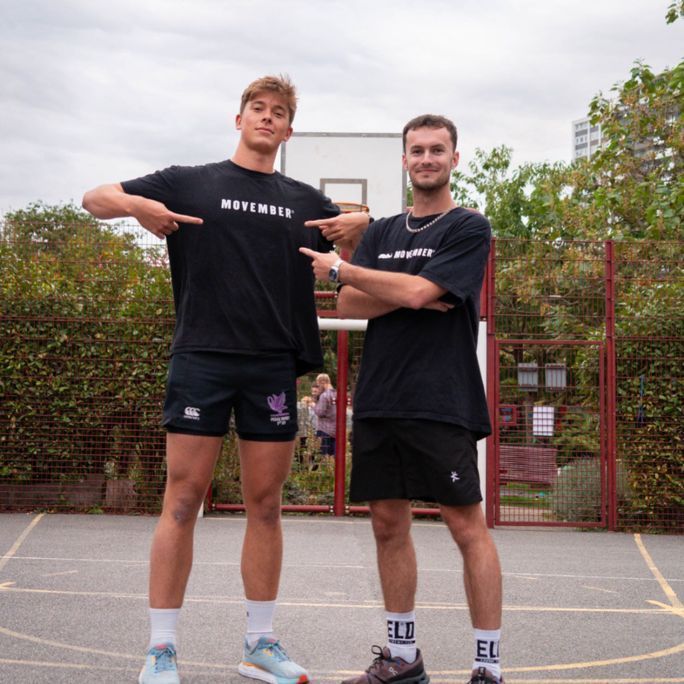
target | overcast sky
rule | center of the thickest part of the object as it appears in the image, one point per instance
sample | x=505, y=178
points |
x=95, y=91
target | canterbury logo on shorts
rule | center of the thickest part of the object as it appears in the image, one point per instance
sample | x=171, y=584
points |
x=191, y=413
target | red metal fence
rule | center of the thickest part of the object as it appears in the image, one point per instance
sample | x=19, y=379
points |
x=585, y=354
x=585, y=349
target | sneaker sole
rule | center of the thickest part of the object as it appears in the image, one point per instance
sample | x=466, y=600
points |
x=420, y=679
x=255, y=672
x=140, y=676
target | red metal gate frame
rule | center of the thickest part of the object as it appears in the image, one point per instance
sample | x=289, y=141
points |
x=493, y=474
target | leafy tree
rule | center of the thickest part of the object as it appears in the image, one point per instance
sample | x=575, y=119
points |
x=633, y=188
x=675, y=11
x=550, y=285
x=638, y=176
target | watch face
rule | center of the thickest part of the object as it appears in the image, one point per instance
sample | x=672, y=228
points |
x=332, y=274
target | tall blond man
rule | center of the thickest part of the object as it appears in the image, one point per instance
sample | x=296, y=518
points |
x=245, y=329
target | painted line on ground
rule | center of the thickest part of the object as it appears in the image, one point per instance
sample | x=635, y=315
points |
x=335, y=676
x=660, y=609
x=20, y=540
x=516, y=575
x=443, y=673
x=667, y=589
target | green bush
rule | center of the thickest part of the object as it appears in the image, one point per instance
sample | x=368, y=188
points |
x=86, y=324
x=576, y=494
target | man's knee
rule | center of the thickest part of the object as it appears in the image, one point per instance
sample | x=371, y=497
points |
x=390, y=524
x=265, y=510
x=466, y=524
x=183, y=505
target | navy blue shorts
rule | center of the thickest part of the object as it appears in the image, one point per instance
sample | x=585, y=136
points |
x=204, y=388
x=427, y=460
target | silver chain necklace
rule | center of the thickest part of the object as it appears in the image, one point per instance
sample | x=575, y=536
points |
x=427, y=225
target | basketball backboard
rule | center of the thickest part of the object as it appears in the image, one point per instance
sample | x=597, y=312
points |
x=350, y=167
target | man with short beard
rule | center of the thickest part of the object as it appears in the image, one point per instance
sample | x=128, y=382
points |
x=419, y=404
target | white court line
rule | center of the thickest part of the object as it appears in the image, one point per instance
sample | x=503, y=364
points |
x=20, y=540
x=662, y=609
x=299, y=565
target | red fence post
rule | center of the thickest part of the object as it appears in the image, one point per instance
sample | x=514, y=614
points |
x=491, y=475
x=611, y=382
x=341, y=426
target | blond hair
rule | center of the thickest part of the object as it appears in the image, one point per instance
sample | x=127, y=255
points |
x=281, y=85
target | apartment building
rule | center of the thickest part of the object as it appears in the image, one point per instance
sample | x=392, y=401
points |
x=586, y=138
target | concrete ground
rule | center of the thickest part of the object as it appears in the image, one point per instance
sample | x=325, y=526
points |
x=580, y=607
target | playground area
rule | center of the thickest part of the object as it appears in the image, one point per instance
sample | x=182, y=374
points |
x=590, y=607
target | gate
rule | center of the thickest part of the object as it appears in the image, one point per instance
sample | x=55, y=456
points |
x=549, y=434
x=548, y=337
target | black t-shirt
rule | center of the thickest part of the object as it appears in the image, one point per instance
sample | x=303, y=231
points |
x=239, y=283
x=422, y=363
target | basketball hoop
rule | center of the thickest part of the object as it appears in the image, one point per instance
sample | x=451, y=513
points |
x=348, y=207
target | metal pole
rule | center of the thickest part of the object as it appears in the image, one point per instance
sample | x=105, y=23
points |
x=611, y=381
x=341, y=426
x=491, y=475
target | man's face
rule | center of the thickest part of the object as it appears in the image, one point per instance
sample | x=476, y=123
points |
x=264, y=122
x=429, y=158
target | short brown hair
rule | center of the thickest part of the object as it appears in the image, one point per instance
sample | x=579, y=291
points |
x=282, y=85
x=431, y=121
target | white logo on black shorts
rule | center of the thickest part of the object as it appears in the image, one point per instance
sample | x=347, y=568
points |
x=191, y=413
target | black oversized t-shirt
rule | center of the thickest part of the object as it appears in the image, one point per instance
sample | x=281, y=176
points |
x=423, y=363
x=239, y=283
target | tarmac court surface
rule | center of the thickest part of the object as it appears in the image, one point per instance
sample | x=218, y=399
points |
x=579, y=607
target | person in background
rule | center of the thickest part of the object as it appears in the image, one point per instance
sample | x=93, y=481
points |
x=325, y=409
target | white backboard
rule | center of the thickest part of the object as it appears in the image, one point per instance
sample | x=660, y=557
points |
x=350, y=167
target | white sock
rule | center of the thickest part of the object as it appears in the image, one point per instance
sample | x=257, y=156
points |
x=163, y=626
x=401, y=635
x=259, y=620
x=487, y=650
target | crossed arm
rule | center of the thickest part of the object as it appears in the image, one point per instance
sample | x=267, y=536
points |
x=369, y=293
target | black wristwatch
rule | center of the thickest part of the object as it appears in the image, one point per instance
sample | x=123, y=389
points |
x=334, y=272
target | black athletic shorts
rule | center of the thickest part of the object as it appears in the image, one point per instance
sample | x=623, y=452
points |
x=203, y=388
x=428, y=460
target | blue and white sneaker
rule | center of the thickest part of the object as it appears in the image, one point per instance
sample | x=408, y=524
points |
x=268, y=662
x=160, y=666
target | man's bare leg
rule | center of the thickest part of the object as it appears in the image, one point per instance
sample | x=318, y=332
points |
x=391, y=521
x=264, y=467
x=190, y=465
x=481, y=568
x=400, y=660
x=482, y=581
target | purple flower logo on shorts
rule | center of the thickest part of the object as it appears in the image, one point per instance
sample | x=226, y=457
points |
x=278, y=404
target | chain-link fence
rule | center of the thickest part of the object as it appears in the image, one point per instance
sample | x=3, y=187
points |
x=589, y=342
x=587, y=397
